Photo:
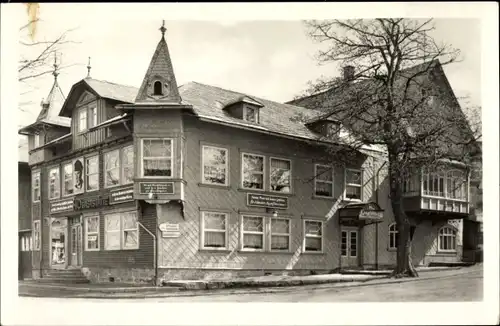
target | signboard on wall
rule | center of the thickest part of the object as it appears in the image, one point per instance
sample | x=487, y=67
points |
x=92, y=202
x=121, y=195
x=170, y=230
x=166, y=188
x=59, y=206
x=371, y=215
x=260, y=200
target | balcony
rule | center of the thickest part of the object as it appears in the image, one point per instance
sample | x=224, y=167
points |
x=444, y=192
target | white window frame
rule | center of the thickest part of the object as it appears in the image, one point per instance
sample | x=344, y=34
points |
x=86, y=174
x=263, y=171
x=57, y=182
x=203, y=181
x=159, y=157
x=63, y=179
x=82, y=127
x=243, y=232
x=92, y=117
x=305, y=236
x=316, y=180
x=360, y=185
x=393, y=234
x=346, y=242
x=87, y=233
x=270, y=171
x=123, y=166
x=105, y=170
x=357, y=243
x=121, y=231
x=271, y=234
x=36, y=235
x=203, y=230
x=453, y=235
x=34, y=176
x=256, y=110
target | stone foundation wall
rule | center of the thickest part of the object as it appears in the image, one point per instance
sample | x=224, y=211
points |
x=119, y=275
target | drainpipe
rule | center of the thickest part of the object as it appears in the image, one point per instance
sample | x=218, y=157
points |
x=155, y=264
x=376, y=224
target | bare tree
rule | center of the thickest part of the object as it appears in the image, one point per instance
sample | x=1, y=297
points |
x=394, y=95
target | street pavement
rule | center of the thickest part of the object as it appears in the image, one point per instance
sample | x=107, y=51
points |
x=442, y=286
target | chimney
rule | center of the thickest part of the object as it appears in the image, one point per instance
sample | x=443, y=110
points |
x=348, y=73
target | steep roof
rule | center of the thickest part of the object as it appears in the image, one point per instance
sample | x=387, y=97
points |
x=113, y=91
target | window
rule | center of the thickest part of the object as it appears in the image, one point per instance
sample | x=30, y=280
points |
x=313, y=236
x=252, y=171
x=36, y=140
x=447, y=239
x=353, y=236
x=157, y=88
x=250, y=114
x=92, y=117
x=119, y=167
x=82, y=120
x=35, y=186
x=280, y=234
x=112, y=168
x=253, y=233
x=393, y=236
x=67, y=179
x=36, y=235
x=215, y=168
x=78, y=176
x=456, y=181
x=323, y=180
x=353, y=184
x=433, y=184
x=343, y=244
x=214, y=230
x=280, y=175
x=92, y=173
x=121, y=231
x=92, y=233
x=54, y=183
x=25, y=242
x=157, y=157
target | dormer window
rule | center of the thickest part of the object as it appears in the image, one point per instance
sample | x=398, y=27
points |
x=251, y=114
x=157, y=88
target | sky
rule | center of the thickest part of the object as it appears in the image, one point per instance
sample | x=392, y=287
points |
x=272, y=59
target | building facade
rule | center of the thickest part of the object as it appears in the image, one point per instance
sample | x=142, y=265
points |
x=166, y=182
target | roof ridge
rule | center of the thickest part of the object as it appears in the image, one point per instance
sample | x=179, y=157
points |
x=109, y=82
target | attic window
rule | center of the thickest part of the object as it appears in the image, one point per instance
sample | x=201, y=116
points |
x=157, y=88
x=250, y=114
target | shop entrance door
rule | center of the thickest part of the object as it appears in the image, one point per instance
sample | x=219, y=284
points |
x=349, y=249
x=76, y=245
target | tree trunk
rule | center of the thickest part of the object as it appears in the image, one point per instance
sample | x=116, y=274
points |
x=404, y=266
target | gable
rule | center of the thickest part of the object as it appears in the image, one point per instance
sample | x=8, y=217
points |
x=85, y=98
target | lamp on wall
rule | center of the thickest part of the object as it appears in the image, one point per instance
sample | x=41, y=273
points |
x=152, y=196
x=275, y=213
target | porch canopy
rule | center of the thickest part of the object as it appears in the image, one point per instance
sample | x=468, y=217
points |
x=361, y=214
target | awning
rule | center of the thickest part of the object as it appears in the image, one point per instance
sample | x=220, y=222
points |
x=54, y=142
x=110, y=122
x=361, y=213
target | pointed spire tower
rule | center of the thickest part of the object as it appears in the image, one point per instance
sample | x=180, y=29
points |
x=159, y=85
x=54, y=101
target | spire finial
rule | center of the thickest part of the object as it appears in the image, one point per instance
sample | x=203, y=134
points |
x=88, y=69
x=55, y=73
x=163, y=29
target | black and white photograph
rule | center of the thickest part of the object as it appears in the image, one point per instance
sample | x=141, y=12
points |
x=180, y=157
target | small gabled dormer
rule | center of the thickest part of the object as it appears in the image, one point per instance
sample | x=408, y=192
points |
x=244, y=108
x=326, y=127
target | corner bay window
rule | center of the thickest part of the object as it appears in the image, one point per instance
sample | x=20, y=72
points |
x=214, y=228
x=353, y=184
x=67, y=171
x=121, y=231
x=92, y=173
x=280, y=175
x=252, y=167
x=157, y=157
x=313, y=236
x=35, y=186
x=450, y=184
x=323, y=180
x=92, y=233
x=54, y=183
x=118, y=166
x=215, y=165
x=447, y=239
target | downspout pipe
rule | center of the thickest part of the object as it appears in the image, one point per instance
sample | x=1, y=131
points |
x=377, y=201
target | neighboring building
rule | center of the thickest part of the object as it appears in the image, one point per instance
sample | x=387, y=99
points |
x=24, y=221
x=197, y=181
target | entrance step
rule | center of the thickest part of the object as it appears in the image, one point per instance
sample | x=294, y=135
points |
x=451, y=264
x=65, y=276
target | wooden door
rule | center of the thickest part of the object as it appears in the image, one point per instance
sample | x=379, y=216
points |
x=76, y=245
x=349, y=249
